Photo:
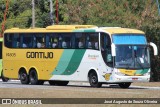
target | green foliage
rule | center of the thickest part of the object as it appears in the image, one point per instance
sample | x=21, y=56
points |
x=139, y=14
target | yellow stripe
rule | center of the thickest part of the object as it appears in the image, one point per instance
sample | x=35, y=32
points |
x=128, y=72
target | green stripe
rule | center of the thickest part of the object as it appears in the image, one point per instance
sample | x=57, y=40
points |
x=142, y=71
x=78, y=30
x=85, y=30
x=63, y=63
x=75, y=62
x=89, y=30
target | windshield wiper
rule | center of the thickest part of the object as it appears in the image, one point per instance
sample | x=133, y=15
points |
x=140, y=64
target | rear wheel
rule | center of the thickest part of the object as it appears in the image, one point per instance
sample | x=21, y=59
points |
x=33, y=77
x=4, y=79
x=24, y=77
x=125, y=85
x=93, y=80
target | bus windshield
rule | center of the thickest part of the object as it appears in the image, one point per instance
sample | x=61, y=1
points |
x=132, y=56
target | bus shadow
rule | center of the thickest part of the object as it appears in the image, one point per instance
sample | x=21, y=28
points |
x=78, y=86
x=109, y=87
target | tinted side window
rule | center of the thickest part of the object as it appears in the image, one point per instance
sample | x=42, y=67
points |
x=80, y=40
x=12, y=40
x=8, y=40
x=39, y=40
x=26, y=40
x=92, y=41
x=59, y=40
x=66, y=40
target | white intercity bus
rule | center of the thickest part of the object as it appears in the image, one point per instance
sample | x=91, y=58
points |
x=63, y=53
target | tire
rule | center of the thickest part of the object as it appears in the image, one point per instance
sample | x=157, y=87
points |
x=4, y=79
x=24, y=78
x=93, y=80
x=33, y=77
x=59, y=83
x=125, y=85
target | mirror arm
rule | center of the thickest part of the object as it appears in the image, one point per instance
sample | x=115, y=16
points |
x=155, y=49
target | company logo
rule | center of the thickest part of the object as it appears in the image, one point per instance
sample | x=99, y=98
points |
x=44, y=55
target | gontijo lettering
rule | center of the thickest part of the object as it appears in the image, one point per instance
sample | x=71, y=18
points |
x=39, y=55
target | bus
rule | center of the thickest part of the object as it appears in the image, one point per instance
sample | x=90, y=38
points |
x=62, y=53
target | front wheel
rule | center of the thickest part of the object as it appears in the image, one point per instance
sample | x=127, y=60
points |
x=4, y=79
x=125, y=85
x=93, y=80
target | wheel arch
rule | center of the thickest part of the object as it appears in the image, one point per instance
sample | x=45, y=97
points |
x=93, y=70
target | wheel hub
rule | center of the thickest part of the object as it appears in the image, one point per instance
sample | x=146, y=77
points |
x=94, y=79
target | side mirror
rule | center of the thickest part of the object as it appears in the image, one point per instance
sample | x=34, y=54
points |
x=155, y=49
x=113, y=47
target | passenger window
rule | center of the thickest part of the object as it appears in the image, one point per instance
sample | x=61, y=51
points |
x=92, y=41
x=40, y=40
x=16, y=41
x=27, y=41
x=80, y=40
x=12, y=40
x=66, y=41
x=8, y=40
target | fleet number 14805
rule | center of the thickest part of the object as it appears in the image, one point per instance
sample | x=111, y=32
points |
x=11, y=54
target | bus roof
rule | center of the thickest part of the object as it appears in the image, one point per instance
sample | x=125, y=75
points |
x=74, y=28
x=53, y=28
x=118, y=30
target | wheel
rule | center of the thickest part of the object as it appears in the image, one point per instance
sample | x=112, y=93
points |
x=125, y=85
x=93, y=80
x=59, y=83
x=4, y=79
x=24, y=78
x=33, y=77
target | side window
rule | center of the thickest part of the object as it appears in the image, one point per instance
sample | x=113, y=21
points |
x=39, y=39
x=53, y=40
x=12, y=40
x=8, y=40
x=80, y=40
x=16, y=41
x=66, y=40
x=92, y=41
x=59, y=40
x=27, y=41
